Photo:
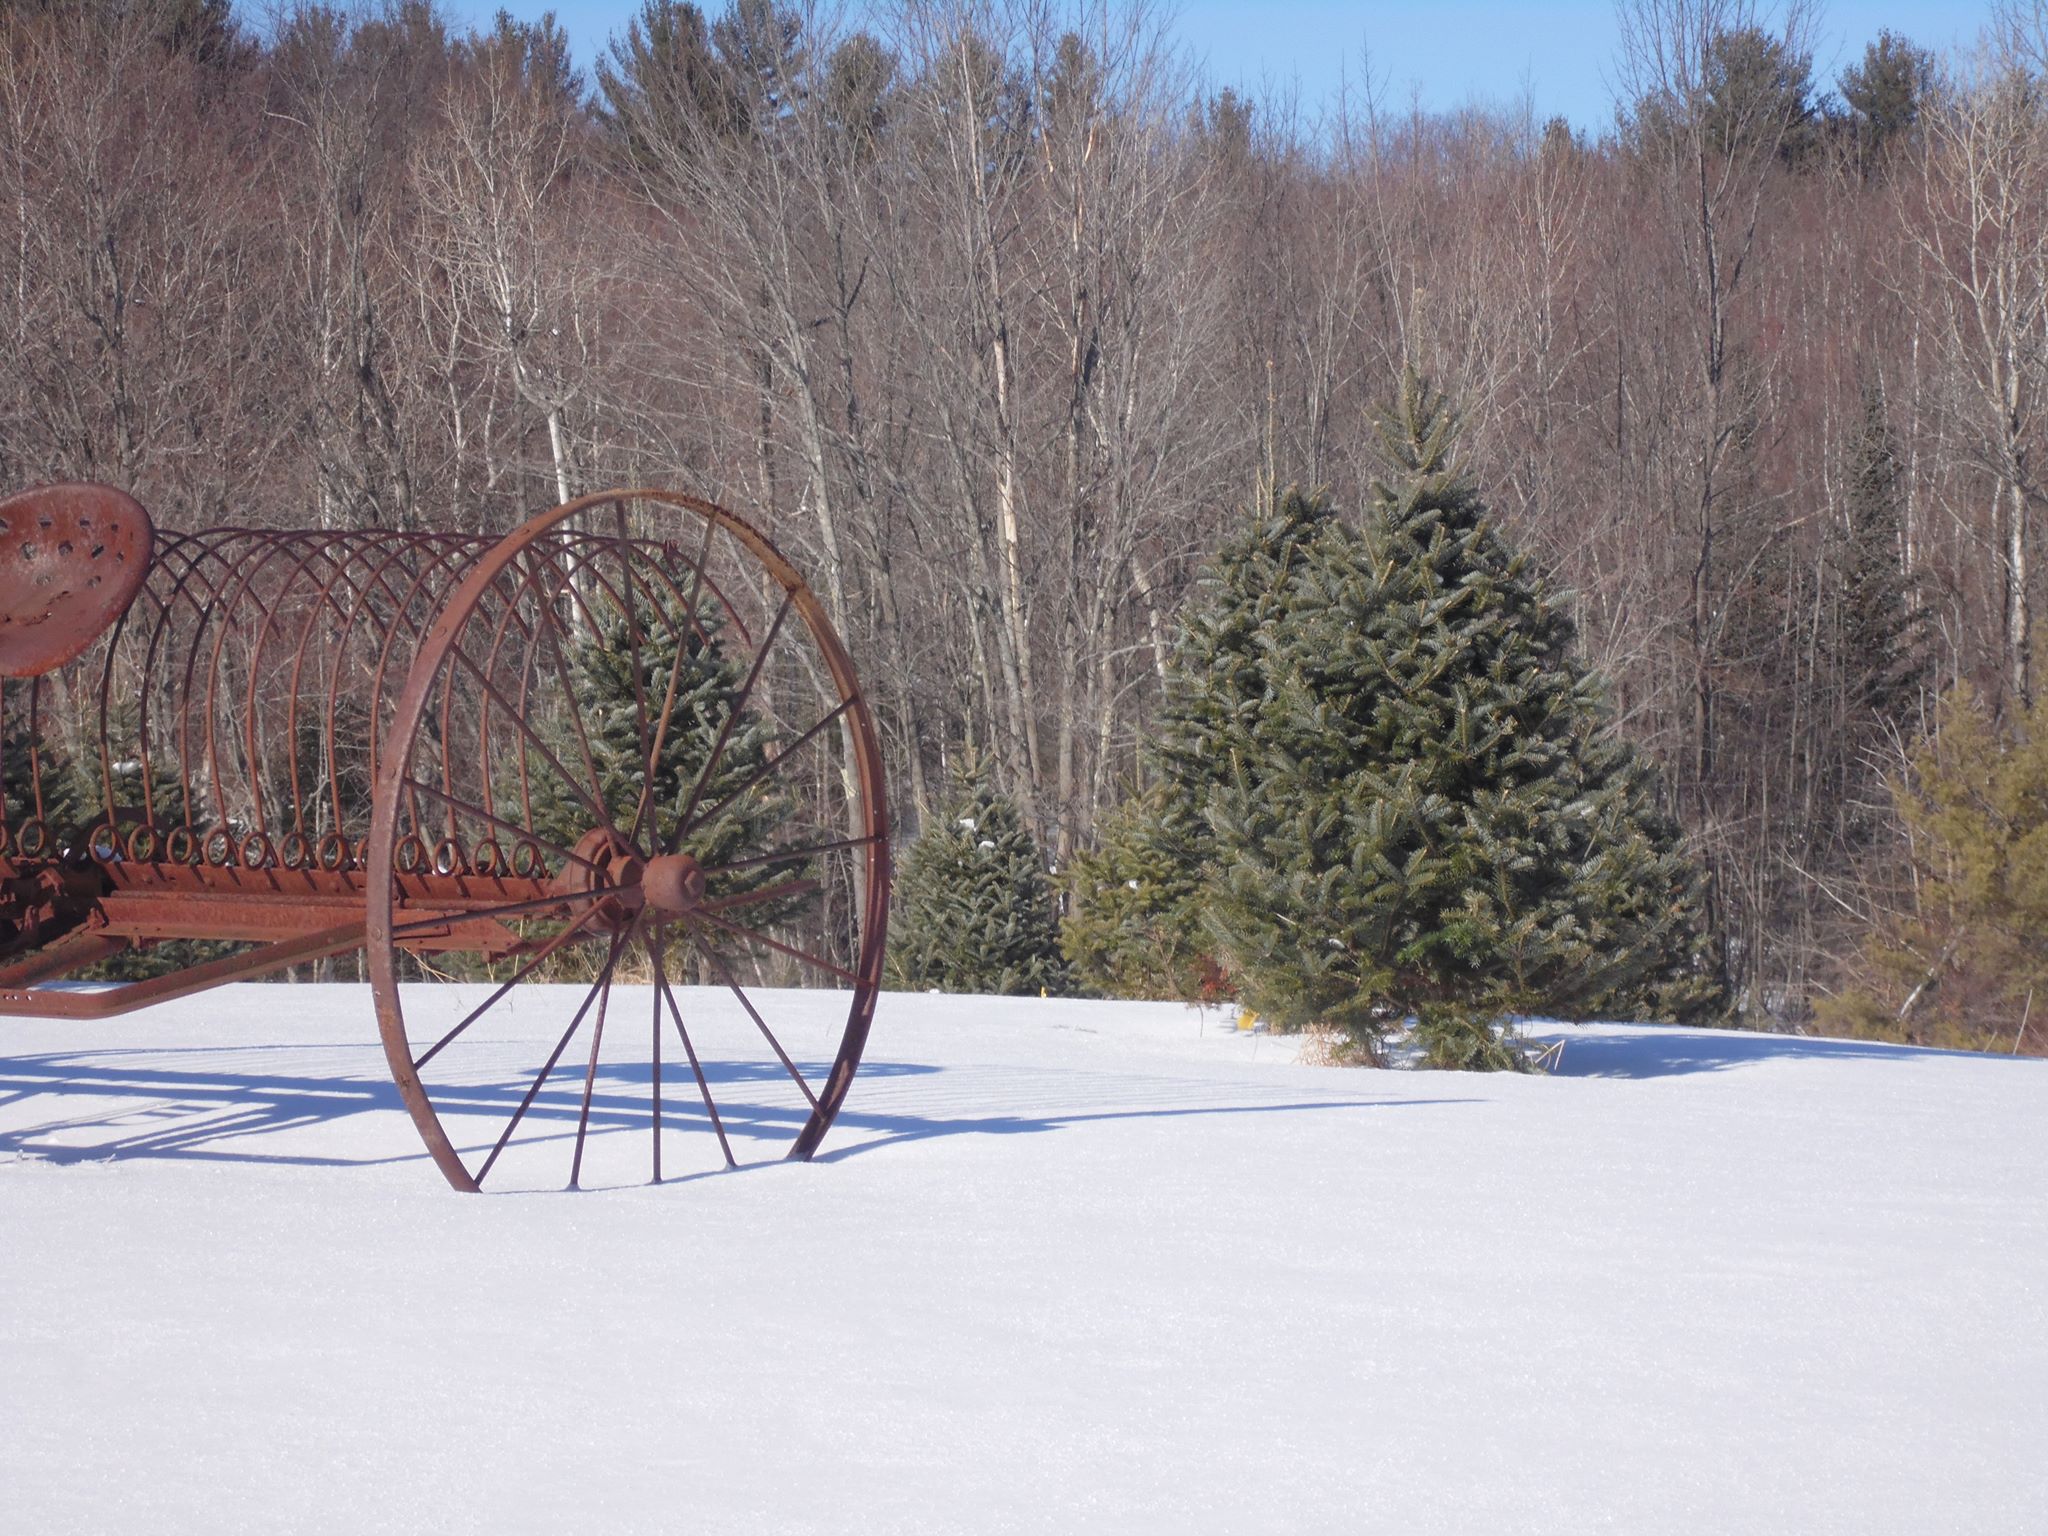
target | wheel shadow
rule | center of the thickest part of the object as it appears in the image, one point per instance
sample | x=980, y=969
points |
x=117, y=1105
x=898, y=1129
x=108, y=1106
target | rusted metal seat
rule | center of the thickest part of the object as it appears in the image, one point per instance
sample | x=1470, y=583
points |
x=72, y=558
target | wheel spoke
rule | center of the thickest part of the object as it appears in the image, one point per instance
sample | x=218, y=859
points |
x=696, y=1067
x=738, y=706
x=765, y=893
x=760, y=1023
x=790, y=855
x=759, y=774
x=604, y=999
x=632, y=606
x=561, y=1045
x=515, y=909
x=686, y=621
x=625, y=547
x=540, y=958
x=788, y=949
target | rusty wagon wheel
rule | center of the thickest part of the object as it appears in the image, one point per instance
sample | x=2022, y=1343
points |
x=630, y=754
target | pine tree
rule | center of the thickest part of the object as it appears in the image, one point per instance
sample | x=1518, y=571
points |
x=973, y=907
x=1134, y=928
x=1758, y=88
x=1418, y=803
x=1884, y=94
x=663, y=87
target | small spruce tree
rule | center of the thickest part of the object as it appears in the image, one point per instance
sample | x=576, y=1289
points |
x=1133, y=926
x=708, y=682
x=973, y=906
x=37, y=774
x=1417, y=802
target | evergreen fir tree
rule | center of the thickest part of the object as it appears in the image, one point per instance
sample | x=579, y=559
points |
x=1154, y=940
x=1419, y=806
x=973, y=908
x=1219, y=674
x=1134, y=925
x=33, y=765
x=707, y=686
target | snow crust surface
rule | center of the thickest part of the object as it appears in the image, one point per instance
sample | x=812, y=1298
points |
x=1060, y=1267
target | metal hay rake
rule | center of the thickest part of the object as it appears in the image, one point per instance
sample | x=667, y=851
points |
x=622, y=741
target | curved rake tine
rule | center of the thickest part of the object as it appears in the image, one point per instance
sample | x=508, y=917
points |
x=604, y=977
x=517, y=716
x=539, y=958
x=760, y=1023
x=661, y=985
x=550, y=626
x=604, y=1000
x=469, y=808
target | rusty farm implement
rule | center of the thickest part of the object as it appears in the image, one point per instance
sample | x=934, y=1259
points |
x=621, y=743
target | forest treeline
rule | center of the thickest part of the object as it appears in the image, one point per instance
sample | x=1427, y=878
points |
x=997, y=318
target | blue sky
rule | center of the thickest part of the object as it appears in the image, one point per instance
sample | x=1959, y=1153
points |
x=1450, y=51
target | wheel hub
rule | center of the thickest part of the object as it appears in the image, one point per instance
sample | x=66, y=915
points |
x=672, y=884
x=602, y=860
x=667, y=886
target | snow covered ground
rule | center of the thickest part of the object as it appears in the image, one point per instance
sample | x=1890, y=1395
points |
x=1062, y=1267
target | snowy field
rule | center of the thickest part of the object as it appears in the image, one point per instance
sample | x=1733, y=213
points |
x=1062, y=1267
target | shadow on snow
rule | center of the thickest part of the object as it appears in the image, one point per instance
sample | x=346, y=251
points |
x=1653, y=1050
x=207, y=1114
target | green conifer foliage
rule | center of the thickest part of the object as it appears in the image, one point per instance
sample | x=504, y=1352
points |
x=708, y=682
x=1963, y=960
x=973, y=908
x=1153, y=940
x=75, y=804
x=1133, y=928
x=1418, y=804
x=34, y=769
x=1884, y=93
